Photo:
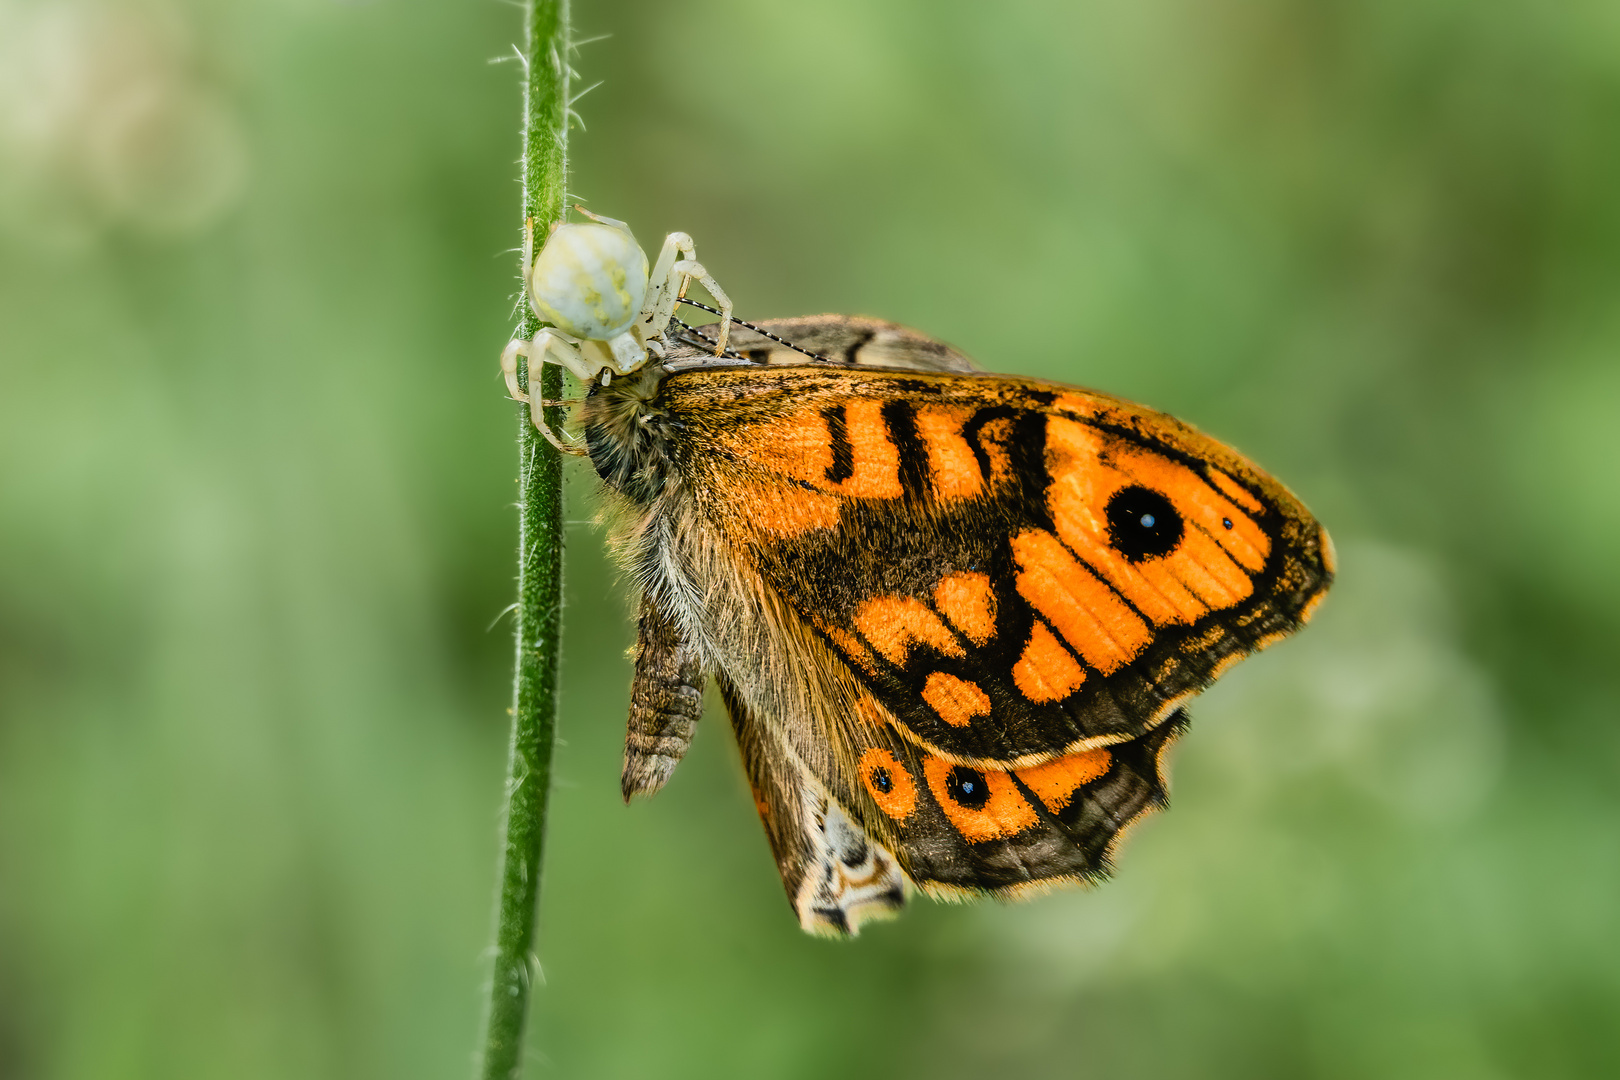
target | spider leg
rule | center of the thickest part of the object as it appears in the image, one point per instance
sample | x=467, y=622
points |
x=661, y=290
x=677, y=265
x=600, y=220
x=691, y=268
x=547, y=346
x=528, y=272
x=515, y=348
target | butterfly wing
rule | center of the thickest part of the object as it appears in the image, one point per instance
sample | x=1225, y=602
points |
x=1017, y=570
x=954, y=831
x=837, y=877
x=953, y=618
x=842, y=339
x=962, y=830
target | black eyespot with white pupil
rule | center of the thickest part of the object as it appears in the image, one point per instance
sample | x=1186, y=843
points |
x=881, y=780
x=967, y=788
x=1142, y=524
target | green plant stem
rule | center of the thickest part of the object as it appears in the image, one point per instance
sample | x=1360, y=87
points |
x=540, y=536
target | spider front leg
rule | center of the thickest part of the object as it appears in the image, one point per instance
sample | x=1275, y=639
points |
x=677, y=265
x=547, y=345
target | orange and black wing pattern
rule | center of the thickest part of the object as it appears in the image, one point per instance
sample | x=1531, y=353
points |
x=963, y=830
x=958, y=831
x=1018, y=570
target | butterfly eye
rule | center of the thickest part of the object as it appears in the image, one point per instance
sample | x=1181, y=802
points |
x=1142, y=524
x=967, y=787
x=881, y=780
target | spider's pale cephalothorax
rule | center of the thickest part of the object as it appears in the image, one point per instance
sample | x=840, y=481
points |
x=607, y=312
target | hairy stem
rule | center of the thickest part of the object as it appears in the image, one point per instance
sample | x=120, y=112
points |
x=540, y=534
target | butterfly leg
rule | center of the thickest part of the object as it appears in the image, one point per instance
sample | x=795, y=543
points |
x=677, y=265
x=666, y=700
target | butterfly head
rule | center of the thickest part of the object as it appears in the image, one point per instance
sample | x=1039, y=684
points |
x=627, y=432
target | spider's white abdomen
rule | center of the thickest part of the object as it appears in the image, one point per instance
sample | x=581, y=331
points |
x=607, y=312
x=590, y=281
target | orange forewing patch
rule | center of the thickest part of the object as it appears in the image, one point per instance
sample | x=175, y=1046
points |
x=1231, y=490
x=876, y=458
x=893, y=623
x=1004, y=814
x=1223, y=552
x=1046, y=672
x=968, y=601
x=993, y=438
x=852, y=648
x=952, y=468
x=957, y=701
x=1056, y=782
x=901, y=798
x=1090, y=616
x=801, y=447
x=1206, y=572
x=784, y=511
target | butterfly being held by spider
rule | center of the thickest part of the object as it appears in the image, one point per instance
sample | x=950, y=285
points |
x=955, y=617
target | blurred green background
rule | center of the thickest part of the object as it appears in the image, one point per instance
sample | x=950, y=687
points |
x=256, y=533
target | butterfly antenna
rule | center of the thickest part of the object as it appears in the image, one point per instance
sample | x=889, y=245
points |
x=757, y=330
x=694, y=338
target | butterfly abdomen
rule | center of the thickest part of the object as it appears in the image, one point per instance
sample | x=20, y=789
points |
x=666, y=700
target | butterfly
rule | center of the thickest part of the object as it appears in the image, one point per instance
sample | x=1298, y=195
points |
x=955, y=618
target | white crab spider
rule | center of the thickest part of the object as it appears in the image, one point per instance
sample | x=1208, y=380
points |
x=607, y=313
